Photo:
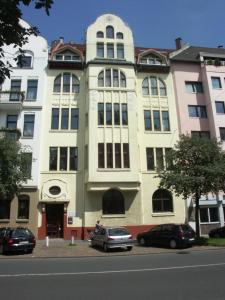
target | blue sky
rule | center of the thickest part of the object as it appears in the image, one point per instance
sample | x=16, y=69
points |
x=155, y=23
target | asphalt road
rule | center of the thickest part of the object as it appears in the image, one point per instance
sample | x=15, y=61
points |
x=181, y=275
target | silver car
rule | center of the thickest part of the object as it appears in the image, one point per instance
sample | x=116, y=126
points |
x=112, y=237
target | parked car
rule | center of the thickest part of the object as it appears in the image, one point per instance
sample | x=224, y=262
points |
x=171, y=235
x=217, y=232
x=16, y=240
x=112, y=237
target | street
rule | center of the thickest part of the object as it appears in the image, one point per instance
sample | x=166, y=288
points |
x=181, y=275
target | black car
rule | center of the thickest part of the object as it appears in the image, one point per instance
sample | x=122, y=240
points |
x=16, y=240
x=170, y=235
x=217, y=232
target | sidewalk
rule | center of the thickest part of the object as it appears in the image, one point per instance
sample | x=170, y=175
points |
x=63, y=248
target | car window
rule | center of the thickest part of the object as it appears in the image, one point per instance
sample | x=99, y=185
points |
x=156, y=228
x=168, y=228
x=22, y=232
x=2, y=231
x=118, y=231
x=186, y=228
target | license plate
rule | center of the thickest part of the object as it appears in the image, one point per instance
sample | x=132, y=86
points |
x=24, y=243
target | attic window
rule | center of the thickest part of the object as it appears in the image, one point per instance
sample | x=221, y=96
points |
x=67, y=56
x=119, y=35
x=100, y=34
x=152, y=60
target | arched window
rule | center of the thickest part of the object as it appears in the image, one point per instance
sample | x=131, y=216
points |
x=110, y=32
x=23, y=207
x=113, y=202
x=57, y=84
x=119, y=35
x=111, y=77
x=162, y=201
x=100, y=34
x=67, y=83
x=153, y=86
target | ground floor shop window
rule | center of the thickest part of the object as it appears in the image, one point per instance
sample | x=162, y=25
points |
x=209, y=215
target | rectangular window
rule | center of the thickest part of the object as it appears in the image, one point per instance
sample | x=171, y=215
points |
x=55, y=118
x=108, y=114
x=23, y=207
x=124, y=114
x=100, y=50
x=159, y=158
x=222, y=133
x=197, y=111
x=126, y=155
x=74, y=122
x=201, y=134
x=25, y=62
x=168, y=161
x=109, y=155
x=194, y=86
x=32, y=86
x=53, y=158
x=209, y=215
x=156, y=120
x=73, y=158
x=64, y=118
x=63, y=159
x=120, y=51
x=165, y=121
x=118, y=155
x=100, y=113
x=101, y=155
x=66, y=83
x=11, y=121
x=28, y=128
x=110, y=50
x=216, y=83
x=15, y=90
x=220, y=108
x=5, y=209
x=116, y=114
x=150, y=159
x=27, y=163
x=147, y=119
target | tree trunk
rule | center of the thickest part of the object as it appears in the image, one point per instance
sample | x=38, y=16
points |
x=197, y=215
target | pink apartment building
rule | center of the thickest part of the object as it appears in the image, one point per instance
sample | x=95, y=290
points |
x=199, y=83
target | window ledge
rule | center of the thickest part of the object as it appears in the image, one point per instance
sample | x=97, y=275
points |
x=22, y=220
x=207, y=223
x=114, y=216
x=113, y=170
x=163, y=214
x=157, y=132
x=4, y=220
x=27, y=137
x=63, y=130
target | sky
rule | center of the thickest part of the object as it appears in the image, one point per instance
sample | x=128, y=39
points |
x=154, y=23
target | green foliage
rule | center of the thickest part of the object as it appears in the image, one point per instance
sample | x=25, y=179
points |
x=13, y=171
x=11, y=31
x=197, y=167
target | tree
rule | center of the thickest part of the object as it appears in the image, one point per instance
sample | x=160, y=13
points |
x=196, y=168
x=13, y=168
x=11, y=32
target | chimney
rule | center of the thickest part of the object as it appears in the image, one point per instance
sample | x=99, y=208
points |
x=61, y=39
x=178, y=42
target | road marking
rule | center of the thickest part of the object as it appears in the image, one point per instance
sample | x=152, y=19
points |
x=110, y=272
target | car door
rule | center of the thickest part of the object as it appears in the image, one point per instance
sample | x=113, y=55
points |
x=153, y=236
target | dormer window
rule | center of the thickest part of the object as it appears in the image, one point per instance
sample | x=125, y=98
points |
x=67, y=56
x=151, y=60
x=25, y=61
x=100, y=34
x=110, y=32
x=119, y=36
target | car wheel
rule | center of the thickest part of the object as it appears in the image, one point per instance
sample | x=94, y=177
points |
x=173, y=244
x=129, y=248
x=142, y=241
x=92, y=243
x=105, y=247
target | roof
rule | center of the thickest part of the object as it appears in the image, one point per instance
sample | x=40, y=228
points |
x=192, y=53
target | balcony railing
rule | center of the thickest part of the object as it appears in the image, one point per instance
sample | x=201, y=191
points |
x=11, y=97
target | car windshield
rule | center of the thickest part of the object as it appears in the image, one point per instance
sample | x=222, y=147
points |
x=21, y=233
x=118, y=231
x=186, y=228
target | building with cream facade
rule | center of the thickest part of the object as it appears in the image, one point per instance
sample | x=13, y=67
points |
x=109, y=123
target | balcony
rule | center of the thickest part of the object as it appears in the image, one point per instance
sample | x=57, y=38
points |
x=12, y=134
x=11, y=100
